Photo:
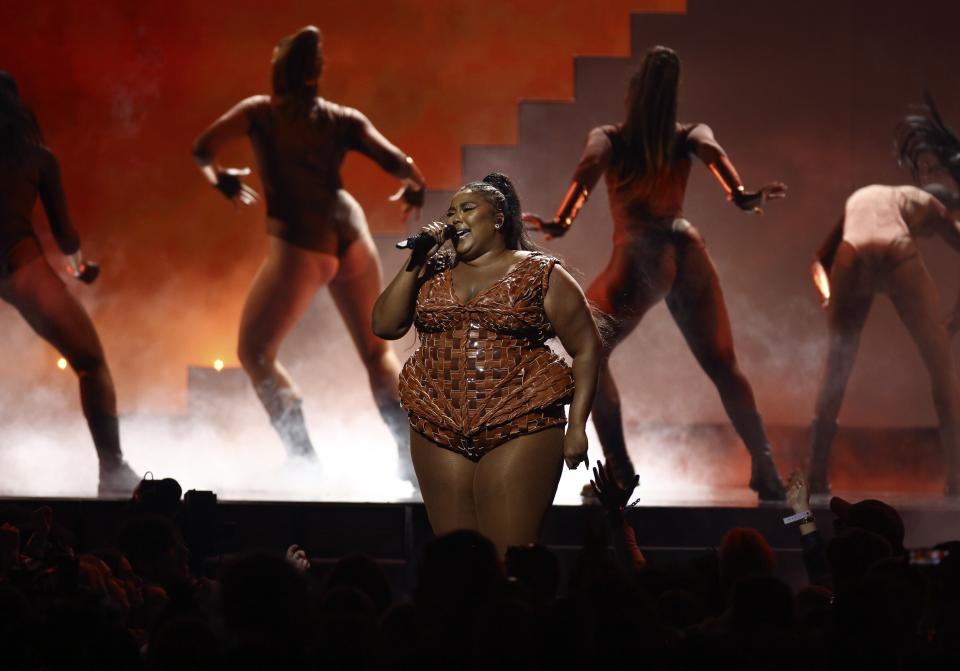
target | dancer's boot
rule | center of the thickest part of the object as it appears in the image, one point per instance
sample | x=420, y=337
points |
x=822, y=433
x=764, y=479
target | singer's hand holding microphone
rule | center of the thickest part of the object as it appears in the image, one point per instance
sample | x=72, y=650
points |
x=429, y=239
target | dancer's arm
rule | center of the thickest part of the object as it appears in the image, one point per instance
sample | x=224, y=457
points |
x=55, y=205
x=707, y=149
x=572, y=320
x=232, y=125
x=393, y=311
x=593, y=163
x=369, y=141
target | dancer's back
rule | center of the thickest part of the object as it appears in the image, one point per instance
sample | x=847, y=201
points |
x=877, y=215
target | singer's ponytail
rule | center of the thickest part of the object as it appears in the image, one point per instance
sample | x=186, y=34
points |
x=498, y=190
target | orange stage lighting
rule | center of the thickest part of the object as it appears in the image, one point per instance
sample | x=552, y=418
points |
x=822, y=281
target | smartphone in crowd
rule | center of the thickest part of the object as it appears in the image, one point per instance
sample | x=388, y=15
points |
x=926, y=556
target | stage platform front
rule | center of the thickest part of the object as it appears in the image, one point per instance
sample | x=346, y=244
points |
x=394, y=533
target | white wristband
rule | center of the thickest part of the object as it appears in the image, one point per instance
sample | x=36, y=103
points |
x=803, y=517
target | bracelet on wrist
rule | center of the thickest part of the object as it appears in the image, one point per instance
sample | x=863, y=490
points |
x=802, y=517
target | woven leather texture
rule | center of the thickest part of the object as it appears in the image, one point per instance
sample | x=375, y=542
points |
x=483, y=374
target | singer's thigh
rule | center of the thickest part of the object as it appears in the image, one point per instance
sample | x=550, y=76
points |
x=446, y=483
x=515, y=486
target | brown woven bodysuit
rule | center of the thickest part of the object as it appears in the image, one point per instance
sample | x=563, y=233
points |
x=483, y=373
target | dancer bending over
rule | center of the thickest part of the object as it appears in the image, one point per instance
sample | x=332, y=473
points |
x=318, y=233
x=27, y=282
x=658, y=255
x=484, y=393
x=872, y=250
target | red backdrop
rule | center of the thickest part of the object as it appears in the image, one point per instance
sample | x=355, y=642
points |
x=121, y=89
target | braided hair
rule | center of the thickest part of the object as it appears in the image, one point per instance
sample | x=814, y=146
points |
x=497, y=189
x=927, y=134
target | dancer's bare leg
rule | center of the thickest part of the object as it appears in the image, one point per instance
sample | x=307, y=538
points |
x=354, y=290
x=514, y=486
x=697, y=305
x=446, y=482
x=638, y=276
x=282, y=290
x=847, y=312
x=917, y=301
x=852, y=296
x=41, y=297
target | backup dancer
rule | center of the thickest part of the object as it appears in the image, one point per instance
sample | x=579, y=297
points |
x=29, y=169
x=873, y=250
x=317, y=231
x=658, y=255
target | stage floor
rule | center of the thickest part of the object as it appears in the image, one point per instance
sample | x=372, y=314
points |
x=237, y=455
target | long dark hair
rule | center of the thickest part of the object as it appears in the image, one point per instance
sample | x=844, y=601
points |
x=497, y=189
x=297, y=60
x=927, y=134
x=18, y=126
x=649, y=133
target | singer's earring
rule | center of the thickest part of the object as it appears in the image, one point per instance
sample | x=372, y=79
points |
x=498, y=226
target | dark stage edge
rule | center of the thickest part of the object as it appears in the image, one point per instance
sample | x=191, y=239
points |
x=394, y=533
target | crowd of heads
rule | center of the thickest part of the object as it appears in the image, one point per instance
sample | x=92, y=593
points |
x=142, y=603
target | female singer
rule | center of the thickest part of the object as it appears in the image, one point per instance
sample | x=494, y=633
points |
x=484, y=393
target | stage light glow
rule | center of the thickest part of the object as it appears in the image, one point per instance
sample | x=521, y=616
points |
x=62, y=363
x=821, y=280
x=218, y=365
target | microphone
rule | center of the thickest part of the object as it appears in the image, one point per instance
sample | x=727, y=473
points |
x=449, y=233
